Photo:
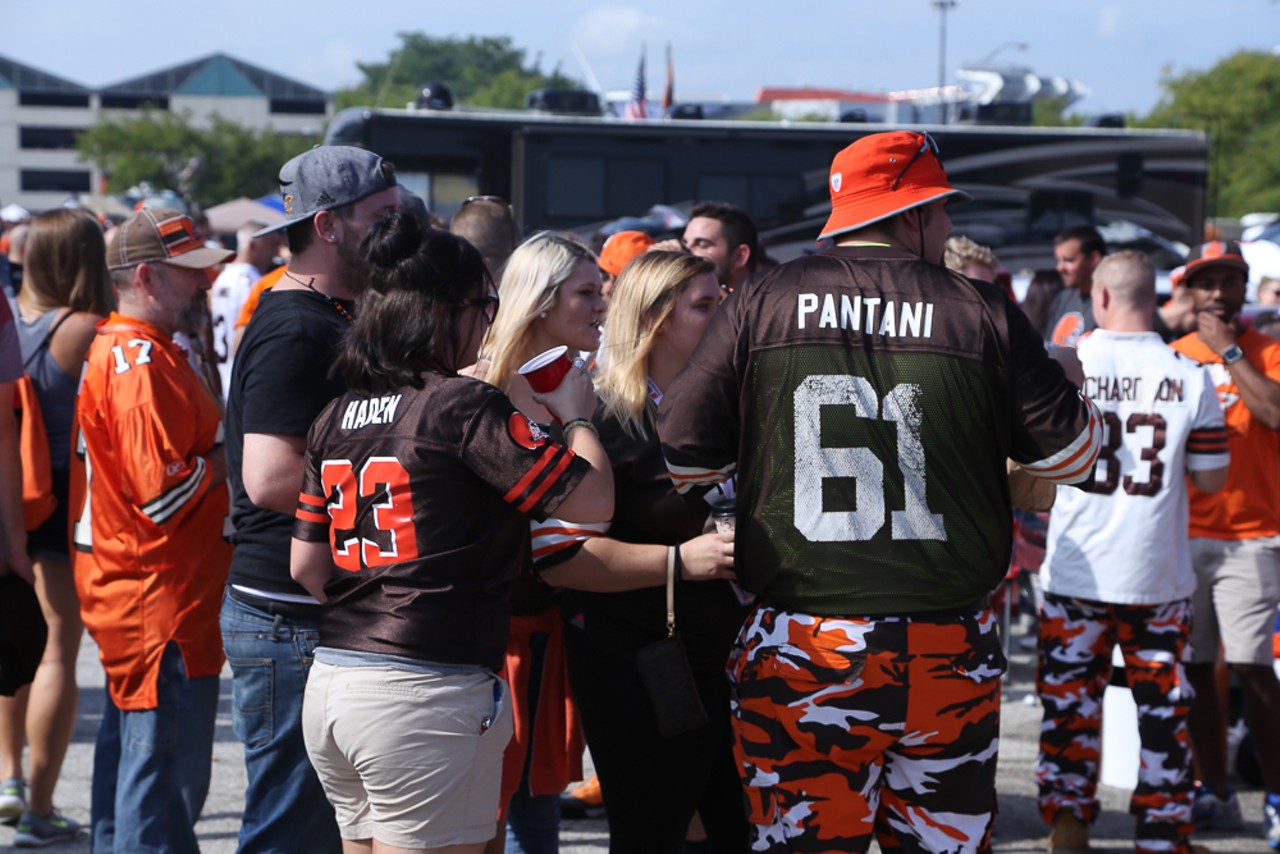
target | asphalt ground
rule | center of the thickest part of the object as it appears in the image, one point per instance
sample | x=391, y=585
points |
x=1018, y=828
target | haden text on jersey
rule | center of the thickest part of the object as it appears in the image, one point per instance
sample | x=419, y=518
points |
x=869, y=315
x=376, y=410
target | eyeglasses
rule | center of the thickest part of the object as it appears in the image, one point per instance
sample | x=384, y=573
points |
x=927, y=143
x=488, y=304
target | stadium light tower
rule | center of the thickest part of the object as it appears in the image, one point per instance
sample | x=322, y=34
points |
x=943, y=6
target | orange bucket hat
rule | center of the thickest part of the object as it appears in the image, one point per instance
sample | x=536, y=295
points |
x=882, y=175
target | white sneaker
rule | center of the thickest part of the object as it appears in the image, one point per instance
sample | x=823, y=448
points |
x=13, y=800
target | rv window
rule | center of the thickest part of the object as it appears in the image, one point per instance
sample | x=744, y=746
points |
x=635, y=185
x=575, y=187
x=734, y=189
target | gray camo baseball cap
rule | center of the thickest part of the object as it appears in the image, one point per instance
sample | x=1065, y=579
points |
x=328, y=177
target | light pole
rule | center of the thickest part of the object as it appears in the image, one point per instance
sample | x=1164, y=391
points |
x=943, y=6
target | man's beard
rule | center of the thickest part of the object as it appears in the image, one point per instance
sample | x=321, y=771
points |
x=351, y=262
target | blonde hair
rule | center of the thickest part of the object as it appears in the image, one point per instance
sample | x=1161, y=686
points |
x=530, y=285
x=961, y=251
x=1129, y=277
x=643, y=298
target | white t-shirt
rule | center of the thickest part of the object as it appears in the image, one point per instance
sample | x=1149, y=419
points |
x=226, y=298
x=1126, y=541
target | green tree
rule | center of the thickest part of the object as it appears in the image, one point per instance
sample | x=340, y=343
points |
x=1052, y=112
x=1237, y=103
x=483, y=71
x=208, y=166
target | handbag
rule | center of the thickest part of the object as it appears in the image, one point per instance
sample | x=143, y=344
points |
x=665, y=673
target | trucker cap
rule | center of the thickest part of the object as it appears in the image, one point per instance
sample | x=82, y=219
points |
x=328, y=177
x=161, y=235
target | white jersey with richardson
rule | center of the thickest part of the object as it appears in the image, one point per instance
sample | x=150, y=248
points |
x=226, y=298
x=1125, y=542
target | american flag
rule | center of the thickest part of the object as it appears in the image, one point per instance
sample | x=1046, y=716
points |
x=638, y=106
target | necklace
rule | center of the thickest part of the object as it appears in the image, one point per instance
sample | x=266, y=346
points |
x=333, y=301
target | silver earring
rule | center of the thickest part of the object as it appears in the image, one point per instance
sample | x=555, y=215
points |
x=543, y=314
x=333, y=238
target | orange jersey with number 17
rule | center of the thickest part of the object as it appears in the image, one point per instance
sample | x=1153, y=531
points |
x=146, y=517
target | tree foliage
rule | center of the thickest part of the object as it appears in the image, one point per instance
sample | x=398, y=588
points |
x=483, y=71
x=1237, y=102
x=1052, y=112
x=208, y=166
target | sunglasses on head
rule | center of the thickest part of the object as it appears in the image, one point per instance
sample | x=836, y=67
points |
x=497, y=200
x=927, y=143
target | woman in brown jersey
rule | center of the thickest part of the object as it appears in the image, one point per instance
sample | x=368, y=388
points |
x=411, y=527
x=652, y=783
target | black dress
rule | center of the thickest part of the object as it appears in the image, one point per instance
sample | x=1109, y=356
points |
x=653, y=784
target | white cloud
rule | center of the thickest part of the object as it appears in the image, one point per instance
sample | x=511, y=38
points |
x=614, y=30
x=1109, y=22
x=334, y=65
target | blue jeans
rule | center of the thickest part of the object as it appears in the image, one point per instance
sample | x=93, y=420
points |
x=533, y=823
x=151, y=768
x=285, y=809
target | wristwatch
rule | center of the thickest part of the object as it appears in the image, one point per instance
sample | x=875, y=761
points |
x=1232, y=354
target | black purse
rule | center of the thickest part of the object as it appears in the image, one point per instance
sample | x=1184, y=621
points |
x=664, y=670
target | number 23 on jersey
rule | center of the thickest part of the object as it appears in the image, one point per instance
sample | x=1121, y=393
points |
x=384, y=481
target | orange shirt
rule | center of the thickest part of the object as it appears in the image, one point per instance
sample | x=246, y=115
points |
x=150, y=560
x=1248, y=507
x=251, y=301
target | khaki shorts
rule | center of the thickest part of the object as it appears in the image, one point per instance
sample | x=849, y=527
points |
x=412, y=760
x=1237, y=592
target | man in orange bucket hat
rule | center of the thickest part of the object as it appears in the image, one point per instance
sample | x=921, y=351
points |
x=866, y=399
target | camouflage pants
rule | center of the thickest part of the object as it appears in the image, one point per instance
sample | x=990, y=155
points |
x=1076, y=641
x=849, y=729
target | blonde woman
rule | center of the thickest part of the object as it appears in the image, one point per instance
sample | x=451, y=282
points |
x=549, y=296
x=65, y=292
x=652, y=784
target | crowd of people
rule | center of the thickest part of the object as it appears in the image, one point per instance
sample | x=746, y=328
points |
x=741, y=548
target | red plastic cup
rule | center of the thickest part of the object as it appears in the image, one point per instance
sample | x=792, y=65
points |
x=545, y=370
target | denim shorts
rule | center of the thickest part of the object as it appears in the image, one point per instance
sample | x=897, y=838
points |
x=411, y=759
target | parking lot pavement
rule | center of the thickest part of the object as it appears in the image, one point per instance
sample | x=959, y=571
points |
x=1018, y=828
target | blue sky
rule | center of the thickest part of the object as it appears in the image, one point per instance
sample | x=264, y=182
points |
x=1118, y=48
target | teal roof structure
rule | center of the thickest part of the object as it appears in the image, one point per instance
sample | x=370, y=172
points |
x=24, y=78
x=218, y=75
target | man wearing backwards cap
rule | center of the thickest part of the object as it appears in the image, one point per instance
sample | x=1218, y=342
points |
x=866, y=400
x=149, y=500
x=279, y=383
x=1234, y=537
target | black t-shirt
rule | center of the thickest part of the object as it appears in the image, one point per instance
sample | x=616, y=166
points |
x=279, y=383
x=424, y=497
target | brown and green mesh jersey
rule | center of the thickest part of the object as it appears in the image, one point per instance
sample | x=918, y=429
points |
x=866, y=402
